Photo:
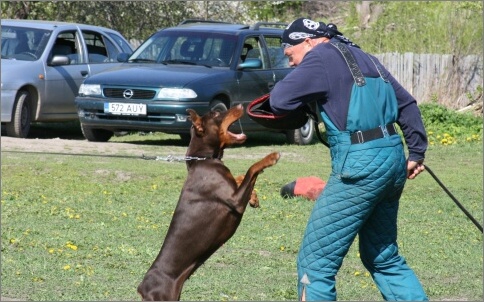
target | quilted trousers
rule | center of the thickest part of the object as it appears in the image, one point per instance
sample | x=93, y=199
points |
x=361, y=197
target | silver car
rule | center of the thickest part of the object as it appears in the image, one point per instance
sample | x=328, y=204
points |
x=43, y=65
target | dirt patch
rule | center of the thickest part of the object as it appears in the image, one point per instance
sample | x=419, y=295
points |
x=57, y=145
x=67, y=138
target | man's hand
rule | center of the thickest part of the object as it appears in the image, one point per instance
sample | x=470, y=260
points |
x=414, y=168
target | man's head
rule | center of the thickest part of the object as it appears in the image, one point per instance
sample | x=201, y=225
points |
x=303, y=28
x=302, y=35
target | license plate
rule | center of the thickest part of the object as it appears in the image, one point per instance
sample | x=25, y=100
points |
x=125, y=108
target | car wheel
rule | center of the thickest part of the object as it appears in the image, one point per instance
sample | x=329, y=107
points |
x=303, y=135
x=19, y=126
x=217, y=105
x=96, y=135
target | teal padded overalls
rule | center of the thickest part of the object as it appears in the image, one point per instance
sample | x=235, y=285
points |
x=361, y=197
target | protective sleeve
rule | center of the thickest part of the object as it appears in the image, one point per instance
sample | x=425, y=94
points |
x=302, y=85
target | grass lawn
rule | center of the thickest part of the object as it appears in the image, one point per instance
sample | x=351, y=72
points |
x=87, y=228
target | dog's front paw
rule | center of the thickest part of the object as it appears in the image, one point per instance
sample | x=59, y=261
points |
x=271, y=159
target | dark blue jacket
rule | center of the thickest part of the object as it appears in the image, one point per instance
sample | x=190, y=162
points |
x=324, y=76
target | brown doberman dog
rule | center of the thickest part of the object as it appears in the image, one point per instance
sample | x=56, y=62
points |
x=211, y=205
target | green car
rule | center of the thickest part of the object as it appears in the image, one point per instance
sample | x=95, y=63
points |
x=201, y=65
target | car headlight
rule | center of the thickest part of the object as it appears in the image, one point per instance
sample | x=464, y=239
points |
x=176, y=93
x=90, y=90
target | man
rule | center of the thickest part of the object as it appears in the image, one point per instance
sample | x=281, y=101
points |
x=359, y=102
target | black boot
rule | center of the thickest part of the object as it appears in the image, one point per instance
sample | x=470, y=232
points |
x=287, y=191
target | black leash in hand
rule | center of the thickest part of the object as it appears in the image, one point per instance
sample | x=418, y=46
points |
x=454, y=199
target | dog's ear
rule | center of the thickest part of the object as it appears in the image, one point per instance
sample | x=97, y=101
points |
x=196, y=121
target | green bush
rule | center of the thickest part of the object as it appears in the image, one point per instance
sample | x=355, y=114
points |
x=447, y=127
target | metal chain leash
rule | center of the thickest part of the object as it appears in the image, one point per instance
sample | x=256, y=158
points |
x=171, y=158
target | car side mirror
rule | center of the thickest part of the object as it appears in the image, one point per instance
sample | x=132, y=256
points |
x=250, y=64
x=123, y=57
x=60, y=60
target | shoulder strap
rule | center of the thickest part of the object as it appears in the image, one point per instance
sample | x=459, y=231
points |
x=351, y=61
x=378, y=67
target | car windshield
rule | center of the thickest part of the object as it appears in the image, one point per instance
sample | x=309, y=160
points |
x=171, y=47
x=21, y=43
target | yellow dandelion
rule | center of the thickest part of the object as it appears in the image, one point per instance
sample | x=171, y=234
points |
x=67, y=267
x=71, y=246
x=51, y=251
x=357, y=273
x=282, y=248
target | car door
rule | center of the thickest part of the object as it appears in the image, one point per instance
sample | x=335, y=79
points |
x=254, y=83
x=279, y=62
x=63, y=81
x=101, y=51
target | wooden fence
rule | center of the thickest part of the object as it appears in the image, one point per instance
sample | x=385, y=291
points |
x=445, y=78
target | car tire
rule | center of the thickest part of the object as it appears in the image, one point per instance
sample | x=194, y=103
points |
x=19, y=126
x=303, y=135
x=96, y=135
x=217, y=105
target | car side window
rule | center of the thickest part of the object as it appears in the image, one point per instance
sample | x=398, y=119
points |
x=121, y=42
x=66, y=44
x=99, y=48
x=276, y=53
x=112, y=51
x=253, y=50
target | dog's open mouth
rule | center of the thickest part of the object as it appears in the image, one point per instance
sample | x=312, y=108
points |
x=233, y=115
x=237, y=137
